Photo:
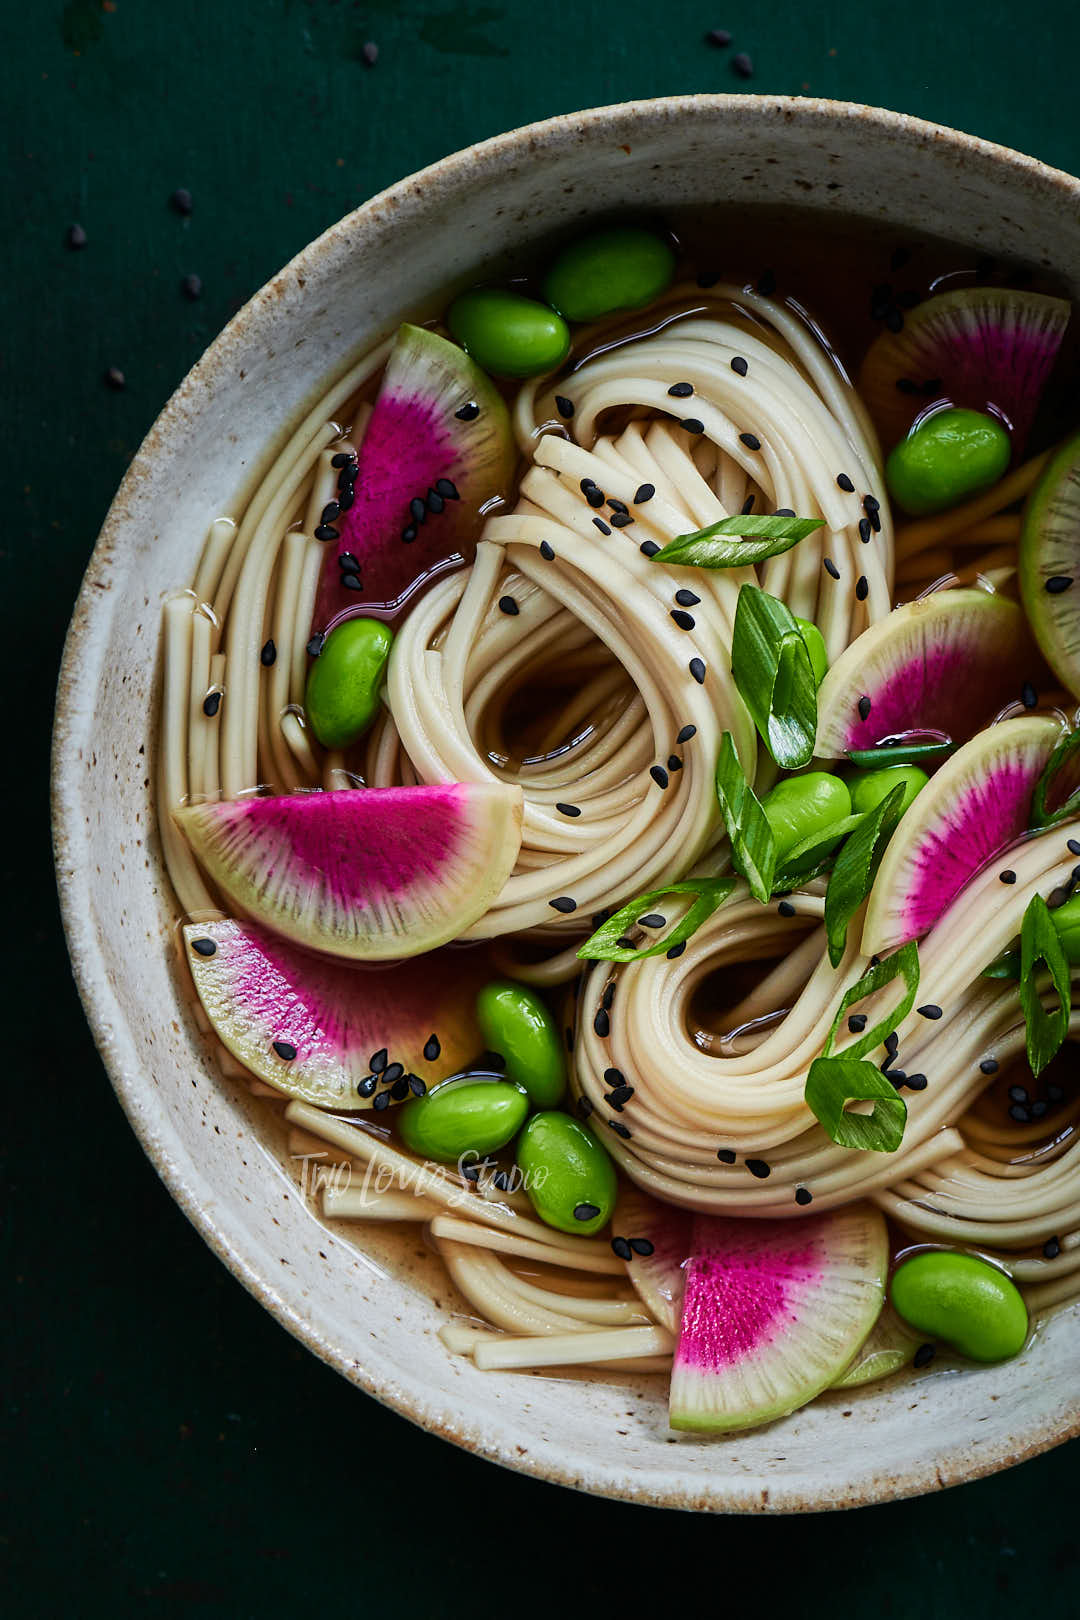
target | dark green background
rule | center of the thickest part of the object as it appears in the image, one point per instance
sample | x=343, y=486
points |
x=171, y=1450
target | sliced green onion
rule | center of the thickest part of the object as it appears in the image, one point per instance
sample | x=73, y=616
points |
x=753, y=845
x=1061, y=758
x=813, y=855
x=771, y=665
x=870, y=759
x=736, y=542
x=904, y=964
x=855, y=869
x=603, y=946
x=1040, y=942
x=833, y=1082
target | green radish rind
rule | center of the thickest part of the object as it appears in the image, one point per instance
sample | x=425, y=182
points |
x=1049, y=547
x=773, y=1313
x=889, y=1345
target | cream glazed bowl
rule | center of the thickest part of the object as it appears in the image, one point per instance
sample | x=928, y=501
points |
x=374, y=1313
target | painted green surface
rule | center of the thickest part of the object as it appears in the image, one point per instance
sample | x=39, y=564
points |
x=172, y=1451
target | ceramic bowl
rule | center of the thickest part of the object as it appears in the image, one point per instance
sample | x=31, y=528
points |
x=377, y=1323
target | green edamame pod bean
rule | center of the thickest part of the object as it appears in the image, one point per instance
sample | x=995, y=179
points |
x=515, y=1023
x=953, y=455
x=868, y=788
x=815, y=646
x=802, y=805
x=1067, y=922
x=965, y=1301
x=621, y=268
x=462, y=1116
x=508, y=334
x=567, y=1173
x=343, y=684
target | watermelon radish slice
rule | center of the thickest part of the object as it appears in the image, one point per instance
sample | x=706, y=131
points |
x=1050, y=564
x=369, y=873
x=987, y=348
x=311, y=1027
x=437, y=448
x=774, y=1311
x=972, y=810
x=658, y=1277
x=934, y=670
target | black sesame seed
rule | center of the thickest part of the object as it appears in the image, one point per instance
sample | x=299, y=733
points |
x=924, y=1355
x=417, y=509
x=803, y=1195
x=601, y=525
x=563, y=902
x=285, y=1050
x=1052, y=1248
x=1057, y=583
x=608, y=997
x=1018, y=1094
x=864, y=530
x=447, y=489
x=434, y=502
x=564, y=406
x=685, y=621
x=687, y=598
x=739, y=366
x=586, y=1212
x=619, y=1129
x=864, y=708
x=191, y=287
x=346, y=498
x=469, y=412
x=330, y=511
x=758, y=1168
x=626, y=943
x=268, y=655
x=641, y=1246
x=786, y=909
x=115, y=379
x=875, y=520
x=831, y=568
x=508, y=605
x=567, y=809
x=205, y=947
x=621, y=1247
x=1018, y=1112
x=352, y=582
x=620, y=1096
x=348, y=562
x=594, y=495
x=747, y=506
x=181, y=200
x=906, y=386
x=643, y=493
x=378, y=1060
x=620, y=520
x=602, y=1023
x=1038, y=1109
x=652, y=919
x=697, y=670
x=862, y=588
x=392, y=1073
x=1028, y=696
x=692, y=424
x=844, y=482
x=211, y=704
x=547, y=551
x=315, y=645
x=916, y=1082
x=674, y=763
x=501, y=1181
x=891, y=1043
x=365, y=1087
x=1073, y=846
x=766, y=283
x=691, y=731
x=382, y=1101
x=648, y=548
x=783, y=511
x=326, y=531
x=400, y=1089
x=930, y=1010
x=681, y=390
x=432, y=1049
x=871, y=503
x=726, y=1155
x=676, y=950
x=1008, y=876
x=989, y=1066
x=751, y=441
x=342, y=459
x=856, y=1023
x=742, y=65
x=614, y=1077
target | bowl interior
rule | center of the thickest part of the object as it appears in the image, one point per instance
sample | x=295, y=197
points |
x=374, y=1312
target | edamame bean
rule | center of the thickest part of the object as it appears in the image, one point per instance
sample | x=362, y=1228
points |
x=462, y=1116
x=515, y=1023
x=344, y=682
x=803, y=805
x=953, y=455
x=1067, y=922
x=620, y=268
x=508, y=334
x=868, y=788
x=568, y=1175
x=965, y=1301
x=815, y=646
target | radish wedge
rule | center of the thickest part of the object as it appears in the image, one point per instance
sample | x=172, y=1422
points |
x=1050, y=564
x=774, y=1312
x=658, y=1277
x=364, y=873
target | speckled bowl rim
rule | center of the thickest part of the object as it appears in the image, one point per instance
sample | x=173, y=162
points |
x=84, y=654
